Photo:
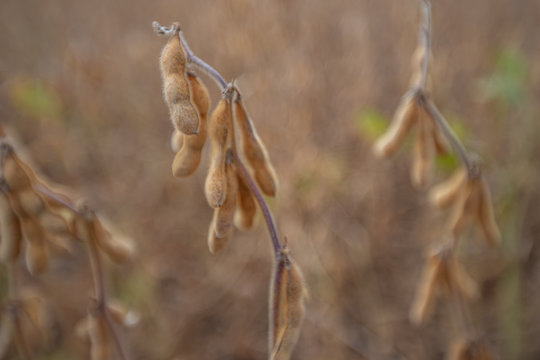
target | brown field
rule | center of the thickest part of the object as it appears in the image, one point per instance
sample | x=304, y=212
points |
x=80, y=90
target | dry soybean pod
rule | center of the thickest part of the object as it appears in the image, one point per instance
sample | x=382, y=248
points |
x=218, y=131
x=216, y=243
x=485, y=215
x=18, y=176
x=176, y=89
x=422, y=170
x=426, y=291
x=188, y=157
x=224, y=215
x=37, y=254
x=246, y=208
x=445, y=194
x=405, y=117
x=254, y=150
x=10, y=230
x=287, y=307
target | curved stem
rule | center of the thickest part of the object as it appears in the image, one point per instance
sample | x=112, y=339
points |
x=457, y=145
x=201, y=64
x=15, y=311
x=425, y=35
x=100, y=292
x=267, y=213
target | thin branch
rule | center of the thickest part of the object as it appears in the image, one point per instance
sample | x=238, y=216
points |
x=457, y=145
x=14, y=309
x=202, y=65
x=425, y=36
x=267, y=213
x=192, y=58
x=99, y=288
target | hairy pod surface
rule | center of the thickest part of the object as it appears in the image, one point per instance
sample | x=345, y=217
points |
x=177, y=139
x=16, y=173
x=445, y=194
x=188, y=156
x=246, y=208
x=224, y=215
x=405, y=117
x=100, y=348
x=176, y=89
x=10, y=231
x=215, y=243
x=426, y=291
x=486, y=216
x=36, y=252
x=287, y=308
x=469, y=349
x=422, y=170
x=218, y=131
x=254, y=150
x=119, y=248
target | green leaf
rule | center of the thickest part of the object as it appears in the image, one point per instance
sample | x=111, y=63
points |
x=371, y=123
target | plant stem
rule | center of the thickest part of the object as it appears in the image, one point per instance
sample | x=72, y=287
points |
x=425, y=35
x=457, y=145
x=15, y=311
x=99, y=288
x=209, y=70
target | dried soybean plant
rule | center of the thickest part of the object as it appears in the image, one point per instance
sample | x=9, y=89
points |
x=239, y=175
x=465, y=194
x=35, y=218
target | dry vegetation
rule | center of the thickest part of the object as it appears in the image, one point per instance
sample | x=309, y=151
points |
x=80, y=101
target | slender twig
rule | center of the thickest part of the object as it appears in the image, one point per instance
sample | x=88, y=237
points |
x=192, y=58
x=459, y=303
x=201, y=64
x=424, y=100
x=100, y=290
x=14, y=309
x=456, y=144
x=425, y=36
x=267, y=213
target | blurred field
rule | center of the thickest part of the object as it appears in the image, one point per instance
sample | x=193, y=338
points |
x=80, y=85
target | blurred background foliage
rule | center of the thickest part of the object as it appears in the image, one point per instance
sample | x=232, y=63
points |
x=80, y=92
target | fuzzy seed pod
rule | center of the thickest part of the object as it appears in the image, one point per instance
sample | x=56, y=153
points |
x=37, y=257
x=442, y=272
x=445, y=194
x=188, y=157
x=405, y=117
x=177, y=139
x=122, y=315
x=99, y=338
x=224, y=215
x=465, y=206
x=422, y=170
x=30, y=202
x=218, y=131
x=55, y=224
x=37, y=253
x=485, y=215
x=466, y=285
x=470, y=350
x=246, y=209
x=254, y=150
x=287, y=309
x=215, y=243
x=17, y=174
x=441, y=144
x=119, y=248
x=425, y=294
x=176, y=89
x=10, y=230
